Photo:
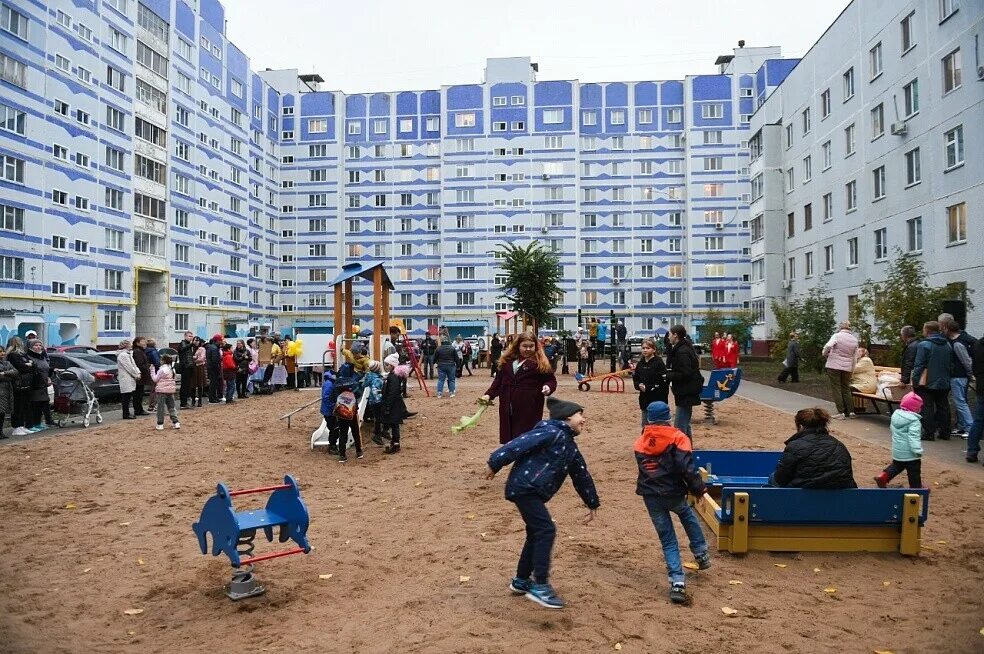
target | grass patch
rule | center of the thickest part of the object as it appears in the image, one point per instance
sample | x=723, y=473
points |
x=811, y=383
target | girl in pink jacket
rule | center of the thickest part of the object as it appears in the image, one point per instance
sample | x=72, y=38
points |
x=165, y=387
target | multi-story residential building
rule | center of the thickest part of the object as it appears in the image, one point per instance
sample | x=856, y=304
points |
x=154, y=183
x=867, y=148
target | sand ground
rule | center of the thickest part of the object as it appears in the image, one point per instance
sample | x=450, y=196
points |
x=99, y=521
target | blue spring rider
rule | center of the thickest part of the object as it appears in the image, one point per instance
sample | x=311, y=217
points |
x=233, y=532
x=722, y=384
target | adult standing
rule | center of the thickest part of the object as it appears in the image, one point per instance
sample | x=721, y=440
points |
x=186, y=366
x=201, y=376
x=963, y=369
x=683, y=373
x=495, y=353
x=145, y=381
x=790, y=365
x=17, y=356
x=910, y=343
x=730, y=351
x=931, y=381
x=8, y=379
x=242, y=358
x=154, y=361
x=429, y=348
x=524, y=380
x=977, y=429
x=129, y=375
x=717, y=351
x=649, y=378
x=841, y=352
x=446, y=359
x=213, y=364
x=466, y=357
x=41, y=380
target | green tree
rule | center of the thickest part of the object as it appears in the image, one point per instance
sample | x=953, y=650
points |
x=813, y=318
x=532, y=283
x=737, y=323
x=903, y=298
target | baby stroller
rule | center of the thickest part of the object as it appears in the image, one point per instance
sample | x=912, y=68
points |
x=74, y=397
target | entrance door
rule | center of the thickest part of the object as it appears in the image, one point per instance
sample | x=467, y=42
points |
x=151, y=310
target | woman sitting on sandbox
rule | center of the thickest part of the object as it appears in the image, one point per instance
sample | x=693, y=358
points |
x=813, y=458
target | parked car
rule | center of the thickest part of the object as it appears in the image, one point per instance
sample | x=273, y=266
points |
x=78, y=349
x=109, y=355
x=105, y=372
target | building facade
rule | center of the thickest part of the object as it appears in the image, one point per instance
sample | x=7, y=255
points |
x=871, y=146
x=154, y=182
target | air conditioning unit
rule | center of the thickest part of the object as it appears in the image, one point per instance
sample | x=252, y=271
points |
x=546, y=176
x=980, y=72
x=786, y=284
x=900, y=129
x=616, y=281
x=544, y=230
x=718, y=226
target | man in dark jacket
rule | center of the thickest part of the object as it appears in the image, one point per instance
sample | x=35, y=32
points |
x=813, y=458
x=791, y=362
x=446, y=357
x=977, y=429
x=931, y=381
x=542, y=459
x=495, y=353
x=911, y=342
x=213, y=365
x=961, y=372
x=186, y=367
x=429, y=348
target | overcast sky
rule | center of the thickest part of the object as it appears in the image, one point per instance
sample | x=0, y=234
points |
x=392, y=45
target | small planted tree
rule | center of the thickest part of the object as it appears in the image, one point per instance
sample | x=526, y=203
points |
x=737, y=323
x=813, y=318
x=532, y=283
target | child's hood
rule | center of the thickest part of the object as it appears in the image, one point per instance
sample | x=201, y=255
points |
x=656, y=439
x=902, y=418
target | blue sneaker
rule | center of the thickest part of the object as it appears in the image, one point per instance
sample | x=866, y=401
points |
x=36, y=428
x=544, y=595
x=520, y=586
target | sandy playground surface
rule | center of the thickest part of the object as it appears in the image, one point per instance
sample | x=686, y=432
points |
x=420, y=548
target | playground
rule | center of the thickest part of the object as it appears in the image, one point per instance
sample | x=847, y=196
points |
x=413, y=553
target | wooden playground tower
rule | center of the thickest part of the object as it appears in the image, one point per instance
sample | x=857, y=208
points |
x=516, y=318
x=381, y=287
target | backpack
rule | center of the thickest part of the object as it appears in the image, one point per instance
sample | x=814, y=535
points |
x=346, y=406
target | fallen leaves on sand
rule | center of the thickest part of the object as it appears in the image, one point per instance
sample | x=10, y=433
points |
x=779, y=565
x=941, y=542
x=140, y=562
x=483, y=534
x=133, y=612
x=70, y=505
x=86, y=570
x=816, y=569
x=830, y=590
x=124, y=524
x=418, y=483
x=734, y=582
x=727, y=610
x=884, y=651
x=463, y=579
x=691, y=566
x=327, y=576
x=147, y=468
x=617, y=647
x=470, y=516
x=886, y=583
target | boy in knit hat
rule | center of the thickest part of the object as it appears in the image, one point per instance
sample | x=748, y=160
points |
x=542, y=458
x=906, y=443
x=666, y=473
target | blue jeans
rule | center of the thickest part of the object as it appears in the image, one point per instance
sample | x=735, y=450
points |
x=958, y=391
x=230, y=389
x=681, y=419
x=976, y=431
x=540, y=534
x=446, y=371
x=659, y=512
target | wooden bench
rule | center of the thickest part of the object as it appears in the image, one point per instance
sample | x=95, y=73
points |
x=889, y=397
x=747, y=515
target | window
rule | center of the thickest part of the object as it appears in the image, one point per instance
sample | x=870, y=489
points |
x=115, y=79
x=63, y=63
x=82, y=117
x=948, y=8
x=789, y=136
x=913, y=228
x=825, y=155
x=713, y=190
x=59, y=152
x=828, y=207
x=808, y=264
x=114, y=280
x=790, y=225
x=908, y=37
x=148, y=243
x=617, y=116
x=152, y=97
x=828, y=258
x=956, y=224
x=849, y=140
x=852, y=252
x=825, y=104
x=114, y=239
x=317, y=125
x=553, y=116
x=912, y=172
x=911, y=98
x=806, y=121
x=674, y=115
x=951, y=71
x=881, y=244
x=715, y=110
x=644, y=116
x=379, y=126
x=432, y=124
x=807, y=217
x=354, y=127
x=11, y=218
x=589, y=117
x=464, y=119
x=12, y=168
x=807, y=169
x=152, y=59
x=791, y=267
x=757, y=228
x=953, y=147
x=112, y=320
x=848, y=80
x=714, y=217
x=851, y=189
x=790, y=180
x=875, y=60
x=16, y=23
x=13, y=71
x=713, y=163
x=518, y=100
x=878, y=182
x=465, y=299
x=714, y=270
x=877, y=121
x=712, y=136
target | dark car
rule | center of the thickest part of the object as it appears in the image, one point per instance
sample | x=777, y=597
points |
x=77, y=349
x=109, y=355
x=107, y=383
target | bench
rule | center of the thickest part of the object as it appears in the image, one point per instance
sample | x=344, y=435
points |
x=890, y=397
x=747, y=515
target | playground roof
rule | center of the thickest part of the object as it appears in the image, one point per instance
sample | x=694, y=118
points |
x=363, y=270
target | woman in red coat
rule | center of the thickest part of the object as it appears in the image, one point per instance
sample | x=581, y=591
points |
x=525, y=377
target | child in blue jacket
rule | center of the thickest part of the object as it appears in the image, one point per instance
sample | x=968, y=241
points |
x=542, y=458
x=328, y=407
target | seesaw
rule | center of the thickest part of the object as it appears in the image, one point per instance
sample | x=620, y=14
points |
x=748, y=515
x=584, y=382
x=233, y=532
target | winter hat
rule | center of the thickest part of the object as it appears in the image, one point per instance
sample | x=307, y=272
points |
x=562, y=409
x=392, y=360
x=657, y=412
x=911, y=402
x=375, y=366
x=217, y=337
x=402, y=371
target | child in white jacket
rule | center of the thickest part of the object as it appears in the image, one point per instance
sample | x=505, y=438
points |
x=906, y=443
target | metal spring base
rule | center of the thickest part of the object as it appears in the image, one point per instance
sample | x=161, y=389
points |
x=709, y=417
x=244, y=583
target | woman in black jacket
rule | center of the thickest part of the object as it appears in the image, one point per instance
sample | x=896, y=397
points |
x=393, y=409
x=813, y=458
x=242, y=357
x=649, y=378
x=17, y=356
x=143, y=364
x=683, y=373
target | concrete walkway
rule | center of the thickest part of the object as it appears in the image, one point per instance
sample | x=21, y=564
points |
x=871, y=428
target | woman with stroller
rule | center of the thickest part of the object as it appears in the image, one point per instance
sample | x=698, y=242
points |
x=38, y=399
x=128, y=375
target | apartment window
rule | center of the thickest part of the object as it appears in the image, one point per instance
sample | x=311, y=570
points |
x=851, y=189
x=11, y=218
x=951, y=71
x=757, y=228
x=553, y=142
x=910, y=94
x=790, y=225
x=553, y=116
x=806, y=121
x=354, y=127
x=825, y=155
x=908, y=37
x=956, y=223
x=825, y=104
x=466, y=299
x=852, y=252
x=148, y=243
x=317, y=125
x=617, y=116
x=713, y=163
x=807, y=217
x=711, y=244
x=12, y=168
x=953, y=146
x=114, y=280
x=589, y=117
x=59, y=243
x=877, y=121
x=13, y=71
x=16, y=23
x=714, y=110
x=808, y=264
x=590, y=298
x=789, y=136
x=712, y=136
x=464, y=119
x=115, y=79
x=791, y=268
x=790, y=180
x=713, y=190
x=828, y=258
x=807, y=169
x=848, y=84
x=912, y=172
x=114, y=240
x=82, y=116
x=114, y=199
x=875, y=60
x=644, y=116
x=379, y=126
x=714, y=270
x=828, y=206
x=152, y=59
x=113, y=320
x=881, y=244
x=674, y=115
x=913, y=228
x=878, y=182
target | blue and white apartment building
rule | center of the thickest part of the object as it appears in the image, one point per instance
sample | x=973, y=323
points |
x=154, y=181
